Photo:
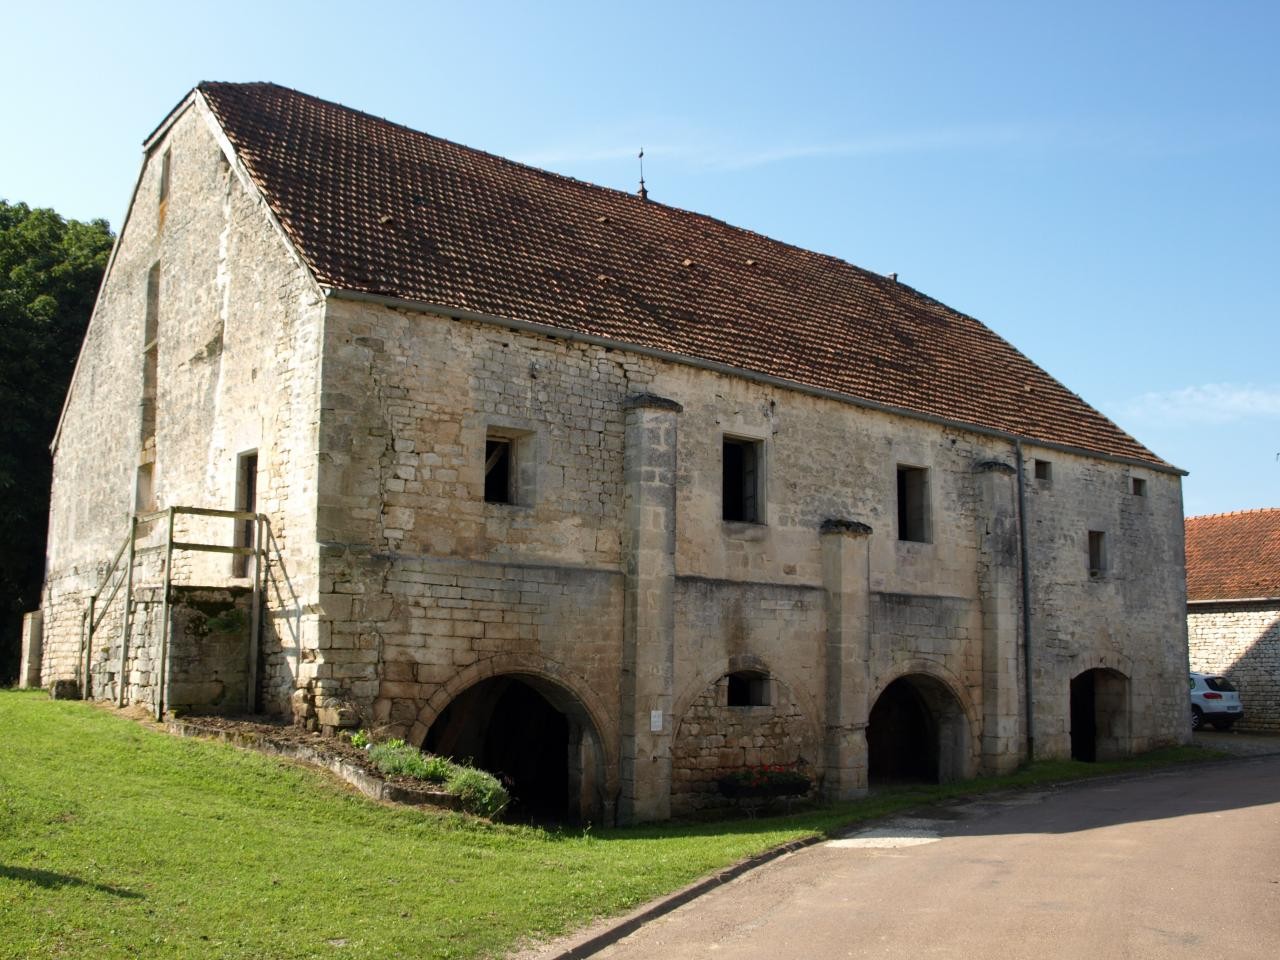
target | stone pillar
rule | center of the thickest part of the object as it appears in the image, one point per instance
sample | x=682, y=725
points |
x=648, y=656
x=999, y=570
x=846, y=552
x=32, y=649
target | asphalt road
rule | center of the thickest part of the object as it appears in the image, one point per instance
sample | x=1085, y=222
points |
x=1182, y=863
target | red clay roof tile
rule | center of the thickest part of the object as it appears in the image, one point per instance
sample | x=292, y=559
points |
x=377, y=208
x=1234, y=556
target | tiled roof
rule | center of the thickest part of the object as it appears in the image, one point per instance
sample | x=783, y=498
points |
x=378, y=208
x=1234, y=556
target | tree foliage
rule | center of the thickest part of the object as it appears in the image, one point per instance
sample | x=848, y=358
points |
x=50, y=269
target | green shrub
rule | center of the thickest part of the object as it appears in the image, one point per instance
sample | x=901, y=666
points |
x=397, y=758
x=479, y=792
x=361, y=739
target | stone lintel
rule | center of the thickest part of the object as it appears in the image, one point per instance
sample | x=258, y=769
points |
x=854, y=528
x=995, y=466
x=651, y=401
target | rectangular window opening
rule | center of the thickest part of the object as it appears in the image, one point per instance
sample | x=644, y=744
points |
x=144, y=496
x=740, y=480
x=1139, y=487
x=247, y=501
x=913, y=504
x=163, y=204
x=499, y=470
x=1044, y=471
x=1097, y=553
x=748, y=689
x=150, y=356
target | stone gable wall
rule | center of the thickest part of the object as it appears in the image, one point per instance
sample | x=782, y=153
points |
x=238, y=367
x=1241, y=641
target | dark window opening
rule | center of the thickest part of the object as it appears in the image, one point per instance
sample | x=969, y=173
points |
x=163, y=205
x=499, y=472
x=747, y=689
x=1139, y=487
x=144, y=489
x=741, y=480
x=913, y=504
x=1097, y=553
x=1044, y=471
x=247, y=501
x=150, y=356
x=1221, y=684
x=165, y=162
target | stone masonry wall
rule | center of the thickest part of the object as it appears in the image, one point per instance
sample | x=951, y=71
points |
x=449, y=587
x=714, y=739
x=1130, y=617
x=238, y=367
x=1241, y=641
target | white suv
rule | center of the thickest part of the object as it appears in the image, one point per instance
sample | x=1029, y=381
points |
x=1214, y=700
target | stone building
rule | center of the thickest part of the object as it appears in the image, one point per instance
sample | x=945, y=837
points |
x=606, y=495
x=1233, y=606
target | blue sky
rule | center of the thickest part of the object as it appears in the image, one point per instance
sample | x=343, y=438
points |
x=1100, y=183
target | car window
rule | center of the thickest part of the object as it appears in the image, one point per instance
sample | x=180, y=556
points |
x=1221, y=684
x=1192, y=681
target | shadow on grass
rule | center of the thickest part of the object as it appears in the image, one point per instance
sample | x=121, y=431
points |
x=54, y=881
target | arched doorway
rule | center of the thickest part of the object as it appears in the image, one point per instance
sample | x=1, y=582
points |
x=1099, y=715
x=917, y=732
x=532, y=734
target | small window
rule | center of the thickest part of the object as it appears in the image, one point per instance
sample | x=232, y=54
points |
x=247, y=501
x=913, y=504
x=741, y=480
x=163, y=203
x=1220, y=684
x=499, y=470
x=748, y=689
x=1044, y=471
x=144, y=496
x=150, y=355
x=1139, y=487
x=1097, y=553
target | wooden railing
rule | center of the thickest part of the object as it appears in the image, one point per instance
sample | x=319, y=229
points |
x=118, y=576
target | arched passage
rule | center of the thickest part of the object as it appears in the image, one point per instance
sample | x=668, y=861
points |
x=535, y=736
x=1099, y=715
x=917, y=732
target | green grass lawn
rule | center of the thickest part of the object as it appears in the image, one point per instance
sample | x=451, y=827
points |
x=120, y=841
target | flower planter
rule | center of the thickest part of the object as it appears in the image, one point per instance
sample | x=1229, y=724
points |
x=764, y=785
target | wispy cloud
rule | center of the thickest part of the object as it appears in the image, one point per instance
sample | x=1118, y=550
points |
x=1209, y=403
x=702, y=149
x=964, y=138
x=730, y=157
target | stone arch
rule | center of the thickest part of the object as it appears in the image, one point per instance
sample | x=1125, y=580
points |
x=922, y=725
x=1100, y=715
x=592, y=759
x=739, y=663
x=712, y=739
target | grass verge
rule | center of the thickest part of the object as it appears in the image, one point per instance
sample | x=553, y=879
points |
x=118, y=841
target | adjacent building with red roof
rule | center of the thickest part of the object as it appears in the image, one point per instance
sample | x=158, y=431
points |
x=1233, y=606
x=611, y=497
